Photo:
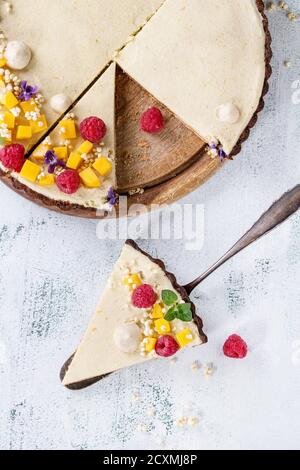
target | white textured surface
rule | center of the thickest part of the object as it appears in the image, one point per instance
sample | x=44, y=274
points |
x=52, y=270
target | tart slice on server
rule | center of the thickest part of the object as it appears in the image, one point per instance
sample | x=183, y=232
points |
x=143, y=314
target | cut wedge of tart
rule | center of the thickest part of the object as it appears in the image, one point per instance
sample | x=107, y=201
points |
x=143, y=314
x=69, y=42
x=148, y=99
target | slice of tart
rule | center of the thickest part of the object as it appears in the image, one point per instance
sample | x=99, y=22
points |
x=85, y=167
x=60, y=47
x=205, y=61
x=143, y=314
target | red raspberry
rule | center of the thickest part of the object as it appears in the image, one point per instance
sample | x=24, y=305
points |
x=152, y=121
x=68, y=181
x=166, y=346
x=235, y=347
x=143, y=296
x=12, y=157
x=92, y=129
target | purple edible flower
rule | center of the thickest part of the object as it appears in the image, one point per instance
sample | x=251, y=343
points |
x=52, y=160
x=112, y=197
x=27, y=91
x=222, y=153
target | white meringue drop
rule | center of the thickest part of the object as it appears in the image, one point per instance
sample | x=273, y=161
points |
x=127, y=337
x=17, y=54
x=229, y=113
x=60, y=103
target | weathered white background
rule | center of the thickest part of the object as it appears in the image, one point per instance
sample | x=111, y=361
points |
x=52, y=271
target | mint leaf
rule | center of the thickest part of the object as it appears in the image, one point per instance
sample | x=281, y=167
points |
x=184, y=312
x=169, y=297
x=171, y=314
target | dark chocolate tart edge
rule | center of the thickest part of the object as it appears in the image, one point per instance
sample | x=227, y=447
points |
x=181, y=291
x=90, y=213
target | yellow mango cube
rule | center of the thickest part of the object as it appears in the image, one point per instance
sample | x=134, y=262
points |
x=67, y=129
x=2, y=61
x=24, y=133
x=28, y=106
x=40, y=151
x=86, y=147
x=2, y=83
x=150, y=344
x=132, y=281
x=61, y=152
x=47, y=180
x=157, y=312
x=103, y=166
x=162, y=326
x=9, y=100
x=40, y=125
x=8, y=119
x=89, y=178
x=184, y=337
x=74, y=160
x=30, y=171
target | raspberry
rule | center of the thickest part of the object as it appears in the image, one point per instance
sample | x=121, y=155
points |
x=152, y=121
x=166, y=346
x=12, y=157
x=235, y=347
x=92, y=129
x=143, y=296
x=68, y=181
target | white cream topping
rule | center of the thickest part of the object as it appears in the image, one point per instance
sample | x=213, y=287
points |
x=18, y=55
x=127, y=337
x=97, y=353
x=59, y=103
x=195, y=55
x=228, y=112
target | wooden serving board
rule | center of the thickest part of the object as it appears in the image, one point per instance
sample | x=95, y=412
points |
x=146, y=160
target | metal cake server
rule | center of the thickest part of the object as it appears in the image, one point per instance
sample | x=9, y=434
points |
x=280, y=211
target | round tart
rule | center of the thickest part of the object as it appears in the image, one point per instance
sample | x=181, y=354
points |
x=172, y=85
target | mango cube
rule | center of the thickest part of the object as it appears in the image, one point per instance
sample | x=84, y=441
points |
x=86, y=147
x=40, y=151
x=68, y=129
x=162, y=326
x=9, y=100
x=61, y=152
x=89, y=178
x=28, y=106
x=74, y=160
x=2, y=83
x=24, y=133
x=47, y=180
x=8, y=119
x=30, y=171
x=157, y=312
x=2, y=61
x=132, y=281
x=40, y=125
x=150, y=344
x=184, y=337
x=103, y=166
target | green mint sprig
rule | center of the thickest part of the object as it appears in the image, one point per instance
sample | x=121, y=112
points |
x=182, y=312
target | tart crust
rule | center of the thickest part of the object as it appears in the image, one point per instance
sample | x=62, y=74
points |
x=86, y=212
